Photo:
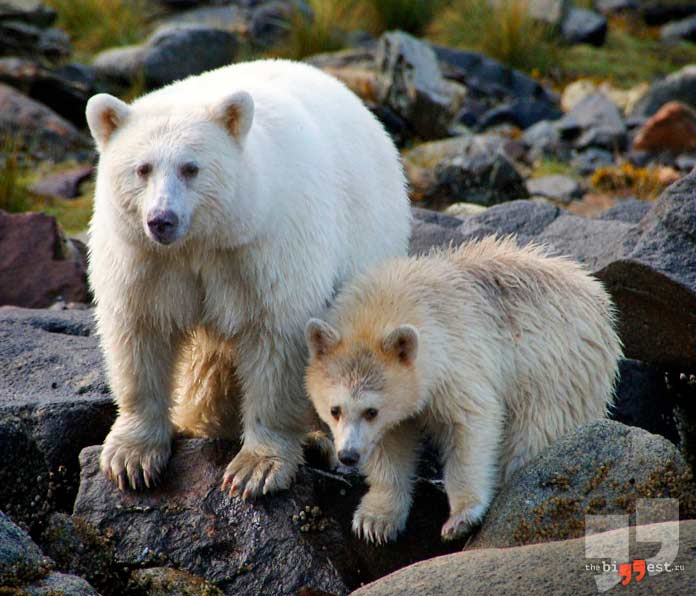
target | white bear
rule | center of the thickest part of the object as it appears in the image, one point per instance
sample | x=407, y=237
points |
x=492, y=350
x=229, y=208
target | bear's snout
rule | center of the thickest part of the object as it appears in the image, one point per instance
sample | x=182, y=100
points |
x=348, y=457
x=163, y=226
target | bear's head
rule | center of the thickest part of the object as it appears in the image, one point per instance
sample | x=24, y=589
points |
x=174, y=171
x=362, y=386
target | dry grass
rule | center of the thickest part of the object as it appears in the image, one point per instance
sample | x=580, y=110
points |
x=503, y=31
x=627, y=180
x=94, y=25
x=412, y=16
x=14, y=196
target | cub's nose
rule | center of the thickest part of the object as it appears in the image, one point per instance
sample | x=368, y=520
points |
x=163, y=226
x=348, y=457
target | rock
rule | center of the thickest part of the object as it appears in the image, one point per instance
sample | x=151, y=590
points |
x=686, y=162
x=679, y=86
x=464, y=209
x=594, y=122
x=21, y=561
x=230, y=17
x=431, y=229
x=587, y=161
x=170, y=53
x=584, y=26
x=53, y=402
x=65, y=89
x=625, y=99
x=610, y=7
x=684, y=30
x=544, y=568
x=554, y=12
x=522, y=113
x=163, y=581
x=59, y=584
x=544, y=140
x=628, y=211
x=671, y=129
x=601, y=469
x=33, y=12
x=38, y=130
x=557, y=187
x=575, y=92
x=484, y=179
x=22, y=39
x=644, y=399
x=275, y=545
x=659, y=12
x=65, y=184
x=38, y=265
x=413, y=85
x=271, y=21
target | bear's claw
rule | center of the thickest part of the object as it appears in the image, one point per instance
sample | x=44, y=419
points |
x=462, y=523
x=255, y=474
x=133, y=466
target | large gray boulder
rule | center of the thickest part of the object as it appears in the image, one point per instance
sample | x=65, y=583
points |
x=54, y=401
x=594, y=122
x=679, y=86
x=604, y=468
x=558, y=568
x=275, y=545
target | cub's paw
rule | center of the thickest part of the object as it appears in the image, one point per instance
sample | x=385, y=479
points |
x=254, y=474
x=459, y=524
x=134, y=465
x=378, y=524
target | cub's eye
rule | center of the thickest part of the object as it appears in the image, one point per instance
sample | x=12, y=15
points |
x=336, y=412
x=144, y=169
x=189, y=170
x=370, y=414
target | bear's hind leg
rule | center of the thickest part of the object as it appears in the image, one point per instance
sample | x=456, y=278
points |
x=207, y=394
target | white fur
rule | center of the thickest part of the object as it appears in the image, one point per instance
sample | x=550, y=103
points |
x=298, y=188
x=493, y=350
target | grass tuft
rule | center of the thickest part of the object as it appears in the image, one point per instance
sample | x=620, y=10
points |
x=94, y=25
x=412, y=16
x=14, y=196
x=627, y=180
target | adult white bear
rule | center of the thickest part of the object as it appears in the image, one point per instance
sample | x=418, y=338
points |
x=229, y=207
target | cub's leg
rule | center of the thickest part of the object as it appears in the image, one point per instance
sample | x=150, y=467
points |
x=470, y=451
x=276, y=414
x=139, y=361
x=390, y=472
x=208, y=394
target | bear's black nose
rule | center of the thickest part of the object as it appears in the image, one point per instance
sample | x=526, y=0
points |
x=348, y=457
x=163, y=225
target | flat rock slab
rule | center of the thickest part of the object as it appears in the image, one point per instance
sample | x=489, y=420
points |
x=275, y=545
x=558, y=568
x=54, y=401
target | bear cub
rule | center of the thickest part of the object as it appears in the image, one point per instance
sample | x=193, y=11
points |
x=492, y=350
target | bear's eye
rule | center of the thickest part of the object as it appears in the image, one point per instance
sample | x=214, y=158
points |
x=370, y=414
x=189, y=170
x=336, y=412
x=144, y=169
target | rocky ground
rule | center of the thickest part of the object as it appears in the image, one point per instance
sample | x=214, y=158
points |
x=595, y=170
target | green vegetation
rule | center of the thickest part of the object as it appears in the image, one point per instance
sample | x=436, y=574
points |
x=94, y=25
x=412, y=16
x=13, y=182
x=550, y=167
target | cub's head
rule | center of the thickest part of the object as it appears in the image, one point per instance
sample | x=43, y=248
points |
x=362, y=388
x=172, y=171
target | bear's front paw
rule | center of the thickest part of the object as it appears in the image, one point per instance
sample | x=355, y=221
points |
x=462, y=522
x=253, y=474
x=133, y=464
x=378, y=522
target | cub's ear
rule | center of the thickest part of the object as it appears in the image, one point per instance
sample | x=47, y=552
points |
x=402, y=343
x=105, y=113
x=321, y=338
x=235, y=113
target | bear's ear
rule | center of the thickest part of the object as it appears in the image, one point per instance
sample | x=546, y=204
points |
x=105, y=113
x=236, y=113
x=402, y=343
x=321, y=337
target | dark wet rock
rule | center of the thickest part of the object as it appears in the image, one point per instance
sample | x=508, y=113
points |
x=683, y=30
x=170, y=53
x=37, y=264
x=610, y=7
x=53, y=402
x=37, y=130
x=556, y=186
x=522, y=113
x=659, y=12
x=65, y=89
x=21, y=560
x=56, y=583
x=65, y=185
x=584, y=26
x=19, y=38
x=33, y=12
x=543, y=568
x=601, y=469
x=275, y=545
x=413, y=85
